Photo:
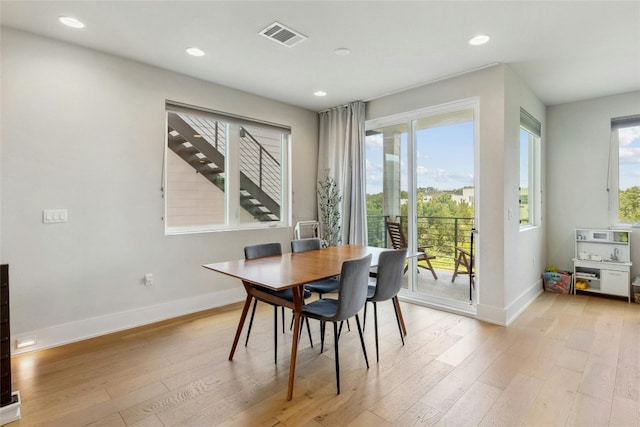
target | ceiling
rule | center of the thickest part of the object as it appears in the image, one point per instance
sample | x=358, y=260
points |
x=565, y=50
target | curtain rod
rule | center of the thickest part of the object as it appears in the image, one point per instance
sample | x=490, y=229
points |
x=338, y=106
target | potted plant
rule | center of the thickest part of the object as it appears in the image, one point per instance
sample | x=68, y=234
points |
x=329, y=199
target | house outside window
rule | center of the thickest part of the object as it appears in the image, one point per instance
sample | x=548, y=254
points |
x=624, y=185
x=224, y=172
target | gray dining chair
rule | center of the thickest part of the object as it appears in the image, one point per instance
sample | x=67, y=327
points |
x=352, y=295
x=321, y=287
x=261, y=251
x=388, y=283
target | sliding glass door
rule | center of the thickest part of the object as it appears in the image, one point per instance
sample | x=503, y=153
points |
x=421, y=173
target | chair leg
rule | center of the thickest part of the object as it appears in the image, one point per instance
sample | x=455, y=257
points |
x=375, y=324
x=253, y=313
x=432, y=270
x=323, y=327
x=364, y=350
x=395, y=310
x=306, y=320
x=364, y=319
x=456, y=266
x=283, y=319
x=335, y=339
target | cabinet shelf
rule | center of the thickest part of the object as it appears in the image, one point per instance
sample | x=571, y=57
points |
x=586, y=277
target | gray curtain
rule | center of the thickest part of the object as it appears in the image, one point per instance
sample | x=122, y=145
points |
x=341, y=151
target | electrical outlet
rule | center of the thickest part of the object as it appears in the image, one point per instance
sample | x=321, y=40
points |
x=148, y=279
x=54, y=215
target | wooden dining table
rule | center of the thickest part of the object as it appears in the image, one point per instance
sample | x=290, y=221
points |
x=290, y=271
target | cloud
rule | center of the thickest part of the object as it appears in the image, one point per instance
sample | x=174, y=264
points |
x=374, y=142
x=420, y=155
x=629, y=155
x=374, y=175
x=628, y=135
x=373, y=167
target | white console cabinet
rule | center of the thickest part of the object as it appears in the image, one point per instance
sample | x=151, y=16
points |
x=602, y=262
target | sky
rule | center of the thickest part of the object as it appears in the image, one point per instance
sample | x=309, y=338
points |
x=444, y=158
x=629, y=155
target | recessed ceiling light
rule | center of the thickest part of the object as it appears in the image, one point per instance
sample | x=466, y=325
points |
x=194, y=51
x=342, y=51
x=479, y=39
x=71, y=22
x=320, y=93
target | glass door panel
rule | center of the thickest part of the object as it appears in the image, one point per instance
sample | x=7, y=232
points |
x=444, y=151
x=386, y=188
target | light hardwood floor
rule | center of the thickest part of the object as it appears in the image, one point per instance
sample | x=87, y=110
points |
x=567, y=360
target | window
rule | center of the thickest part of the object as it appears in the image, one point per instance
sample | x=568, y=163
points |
x=224, y=172
x=530, y=131
x=625, y=141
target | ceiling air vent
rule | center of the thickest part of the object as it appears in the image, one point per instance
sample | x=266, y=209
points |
x=282, y=35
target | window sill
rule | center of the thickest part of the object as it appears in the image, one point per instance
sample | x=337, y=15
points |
x=175, y=231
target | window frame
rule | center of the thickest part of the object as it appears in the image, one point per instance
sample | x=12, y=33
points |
x=532, y=127
x=613, y=188
x=232, y=209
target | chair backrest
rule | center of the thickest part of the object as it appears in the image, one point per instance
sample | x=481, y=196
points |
x=354, y=284
x=303, y=245
x=262, y=250
x=389, y=274
x=398, y=241
x=304, y=229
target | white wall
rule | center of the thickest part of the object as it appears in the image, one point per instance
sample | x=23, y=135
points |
x=524, y=248
x=577, y=153
x=504, y=289
x=85, y=131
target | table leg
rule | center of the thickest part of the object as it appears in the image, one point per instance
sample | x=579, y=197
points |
x=243, y=317
x=397, y=304
x=297, y=302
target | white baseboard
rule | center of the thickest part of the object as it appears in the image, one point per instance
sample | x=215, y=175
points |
x=66, y=333
x=523, y=301
x=491, y=314
x=505, y=316
x=11, y=412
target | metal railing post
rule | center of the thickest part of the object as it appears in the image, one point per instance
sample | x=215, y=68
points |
x=455, y=234
x=384, y=231
x=260, y=169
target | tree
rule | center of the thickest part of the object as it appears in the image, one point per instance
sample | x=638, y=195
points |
x=629, y=205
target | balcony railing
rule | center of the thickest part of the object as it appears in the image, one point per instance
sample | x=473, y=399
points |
x=440, y=235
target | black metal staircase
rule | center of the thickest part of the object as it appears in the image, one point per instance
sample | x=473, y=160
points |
x=260, y=171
